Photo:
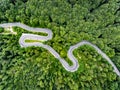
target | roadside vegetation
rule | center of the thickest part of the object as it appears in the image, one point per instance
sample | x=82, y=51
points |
x=1, y=29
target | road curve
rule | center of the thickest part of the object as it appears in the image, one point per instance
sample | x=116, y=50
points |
x=70, y=55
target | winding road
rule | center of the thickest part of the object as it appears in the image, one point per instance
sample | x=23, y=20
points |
x=70, y=55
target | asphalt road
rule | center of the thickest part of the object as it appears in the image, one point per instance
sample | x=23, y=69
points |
x=70, y=55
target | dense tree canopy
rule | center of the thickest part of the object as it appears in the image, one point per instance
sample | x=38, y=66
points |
x=71, y=21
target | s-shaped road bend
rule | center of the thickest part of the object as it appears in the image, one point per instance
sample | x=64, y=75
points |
x=70, y=55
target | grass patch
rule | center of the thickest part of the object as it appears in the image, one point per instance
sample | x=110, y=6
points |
x=31, y=41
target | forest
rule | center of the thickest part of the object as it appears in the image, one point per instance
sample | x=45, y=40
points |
x=71, y=21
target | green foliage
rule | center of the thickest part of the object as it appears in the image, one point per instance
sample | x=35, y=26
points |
x=71, y=21
x=1, y=30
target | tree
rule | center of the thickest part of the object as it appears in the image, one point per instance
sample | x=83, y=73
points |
x=1, y=30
